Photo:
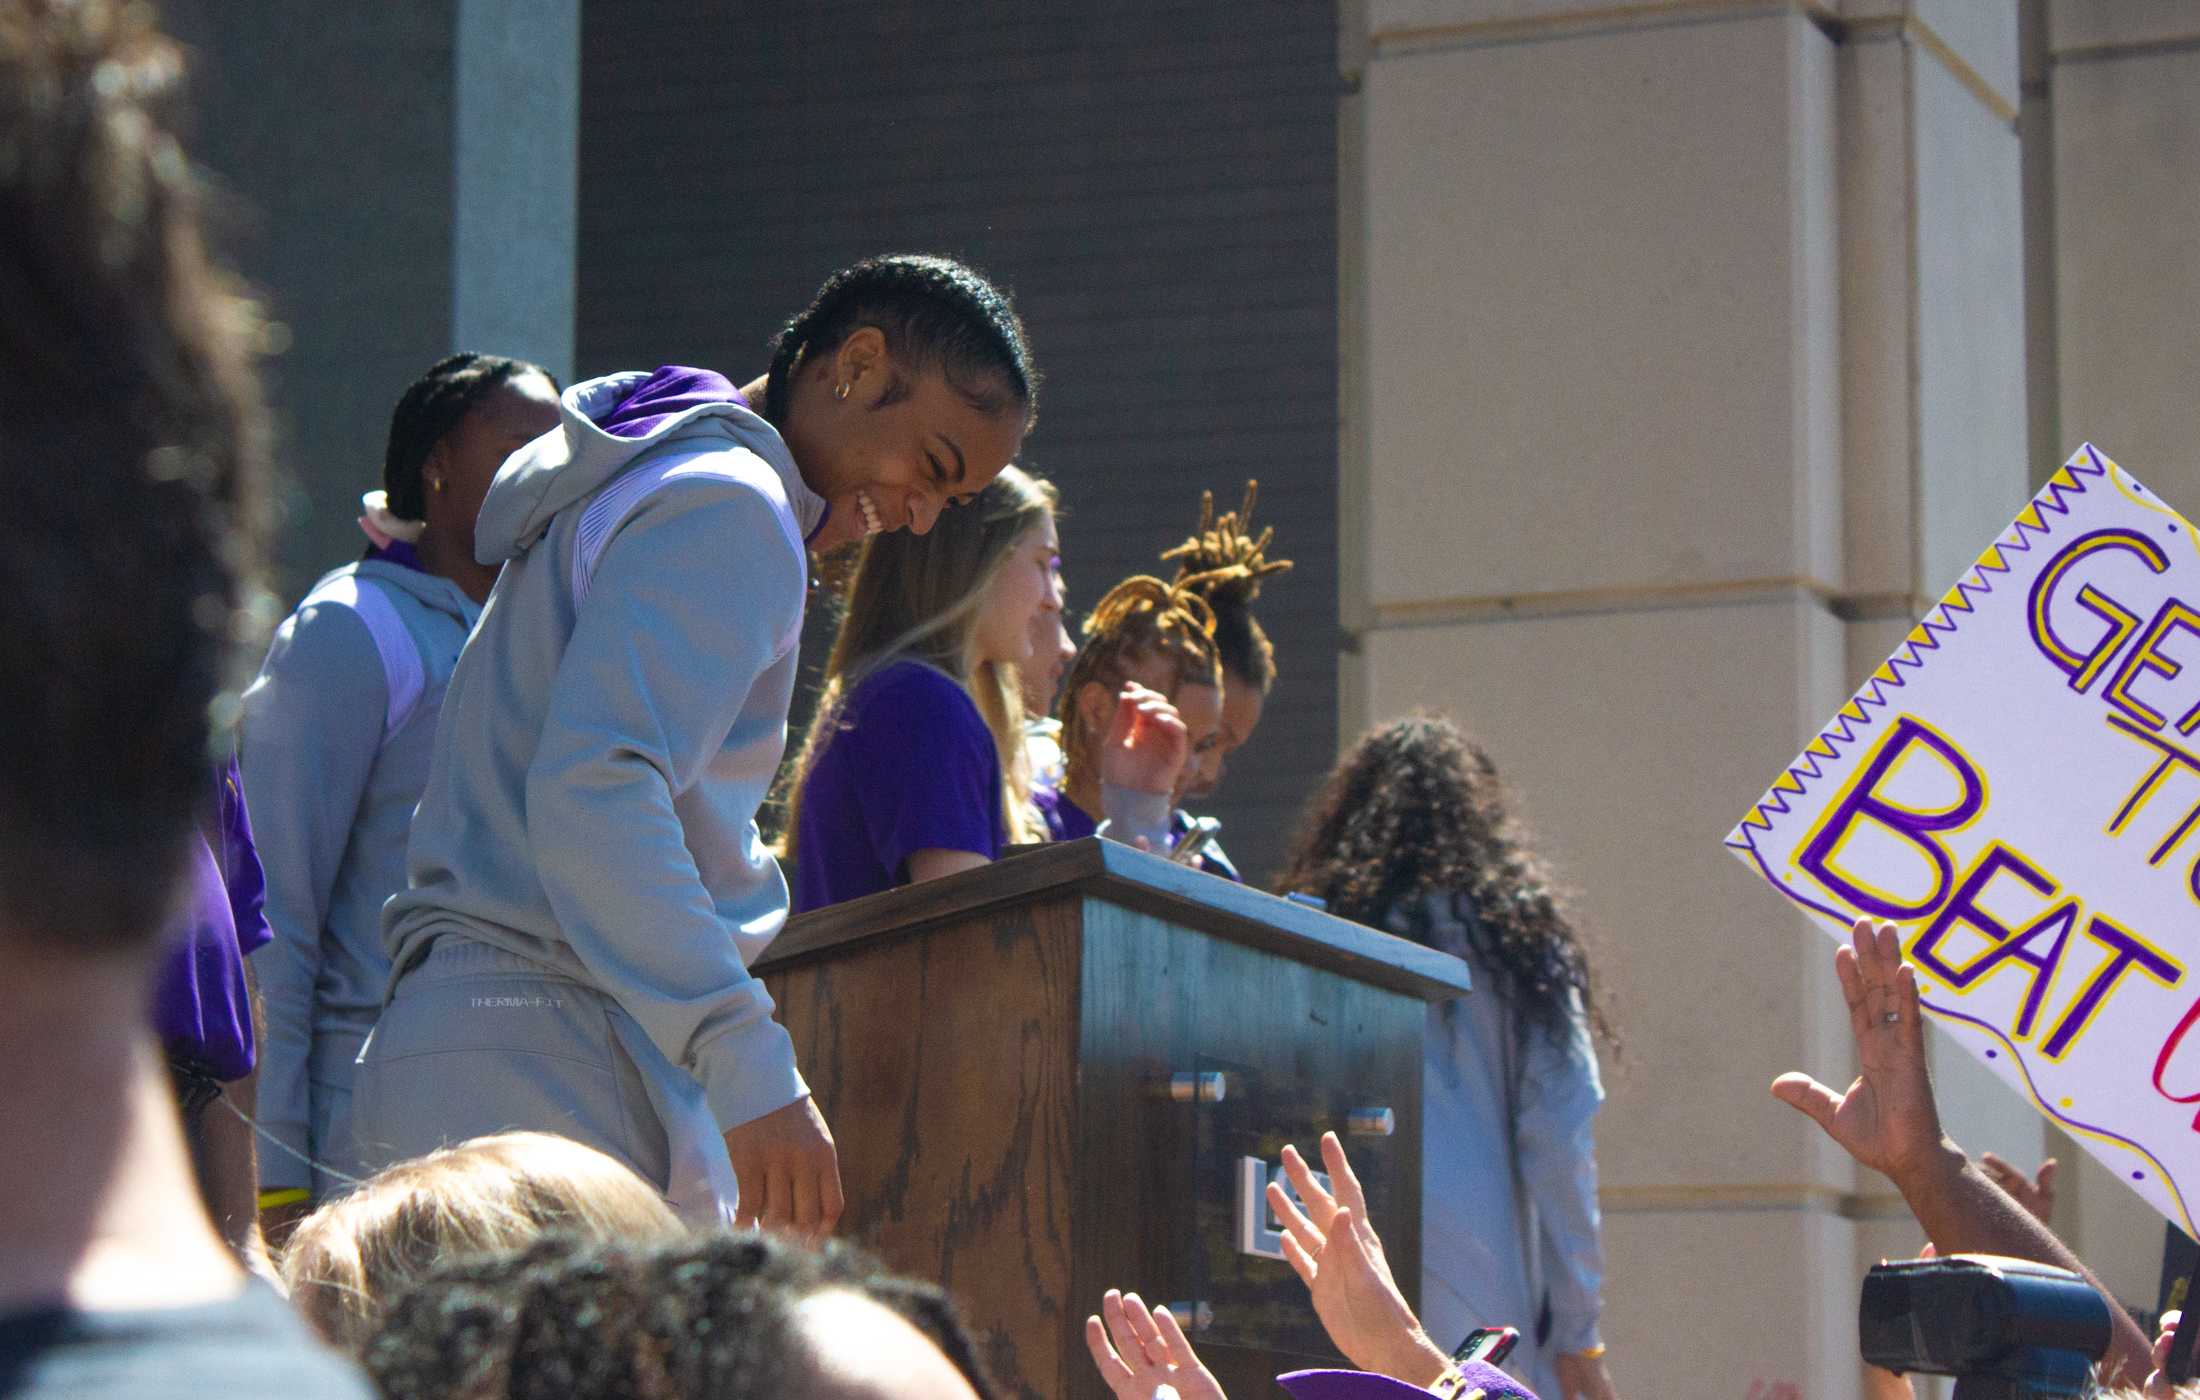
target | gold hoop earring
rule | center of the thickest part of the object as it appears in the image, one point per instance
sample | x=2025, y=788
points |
x=435, y=483
x=840, y=391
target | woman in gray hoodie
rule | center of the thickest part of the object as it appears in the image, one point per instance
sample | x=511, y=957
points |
x=338, y=730
x=587, y=880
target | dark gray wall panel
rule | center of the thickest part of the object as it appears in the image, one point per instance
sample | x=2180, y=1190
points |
x=1157, y=182
x=329, y=130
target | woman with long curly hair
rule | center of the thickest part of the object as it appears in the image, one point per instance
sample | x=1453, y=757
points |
x=1410, y=835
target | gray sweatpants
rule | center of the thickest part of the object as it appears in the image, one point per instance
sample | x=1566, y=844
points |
x=330, y=1064
x=476, y=1040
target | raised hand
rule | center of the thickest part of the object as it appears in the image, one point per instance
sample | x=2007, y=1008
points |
x=1140, y=1353
x=1887, y=1120
x=1337, y=1254
x=2035, y=1193
x=1147, y=743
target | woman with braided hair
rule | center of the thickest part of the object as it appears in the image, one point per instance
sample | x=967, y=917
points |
x=1224, y=563
x=588, y=883
x=1410, y=835
x=1149, y=637
x=338, y=731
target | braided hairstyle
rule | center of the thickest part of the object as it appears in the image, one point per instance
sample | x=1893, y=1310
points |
x=1224, y=564
x=1139, y=619
x=934, y=312
x=709, y=1318
x=429, y=409
x=1416, y=811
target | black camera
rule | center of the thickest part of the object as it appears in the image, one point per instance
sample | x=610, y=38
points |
x=2002, y=1327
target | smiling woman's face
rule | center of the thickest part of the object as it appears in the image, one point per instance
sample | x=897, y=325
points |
x=1021, y=592
x=898, y=448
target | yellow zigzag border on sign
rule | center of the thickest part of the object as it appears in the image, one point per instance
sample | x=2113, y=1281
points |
x=2034, y=525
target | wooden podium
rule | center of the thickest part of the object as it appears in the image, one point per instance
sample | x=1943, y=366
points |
x=1075, y=1069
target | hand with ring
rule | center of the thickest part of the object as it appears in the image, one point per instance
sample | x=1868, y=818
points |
x=1887, y=1120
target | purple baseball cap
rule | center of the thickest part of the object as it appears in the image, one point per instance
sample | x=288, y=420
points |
x=1366, y=1385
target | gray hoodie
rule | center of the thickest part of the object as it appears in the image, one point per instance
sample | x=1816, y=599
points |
x=615, y=723
x=339, y=727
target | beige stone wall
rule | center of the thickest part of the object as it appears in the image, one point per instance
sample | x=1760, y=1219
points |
x=1685, y=360
x=2112, y=118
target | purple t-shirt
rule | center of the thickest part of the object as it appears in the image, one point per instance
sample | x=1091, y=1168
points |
x=910, y=767
x=202, y=1010
x=1066, y=821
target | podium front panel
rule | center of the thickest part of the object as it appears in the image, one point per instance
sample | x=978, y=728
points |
x=1021, y=1068
x=1170, y=1200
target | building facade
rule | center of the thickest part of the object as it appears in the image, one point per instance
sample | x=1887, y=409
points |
x=1623, y=378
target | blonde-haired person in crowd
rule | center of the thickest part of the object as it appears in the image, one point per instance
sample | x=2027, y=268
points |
x=351, y=1258
x=1150, y=636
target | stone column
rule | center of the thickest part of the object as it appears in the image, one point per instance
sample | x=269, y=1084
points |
x=399, y=184
x=1684, y=364
x=516, y=179
x=2117, y=199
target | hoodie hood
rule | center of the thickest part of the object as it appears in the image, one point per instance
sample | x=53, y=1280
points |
x=671, y=391
x=431, y=591
x=568, y=463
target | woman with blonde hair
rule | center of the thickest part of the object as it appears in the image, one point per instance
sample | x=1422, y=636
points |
x=916, y=765
x=351, y=1258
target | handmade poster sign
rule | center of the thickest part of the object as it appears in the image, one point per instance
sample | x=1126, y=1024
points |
x=2018, y=787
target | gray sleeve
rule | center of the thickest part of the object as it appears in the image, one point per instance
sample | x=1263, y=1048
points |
x=1131, y=814
x=687, y=607
x=1560, y=1095
x=312, y=731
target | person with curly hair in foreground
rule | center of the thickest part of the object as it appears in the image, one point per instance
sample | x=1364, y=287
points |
x=720, y=1317
x=135, y=469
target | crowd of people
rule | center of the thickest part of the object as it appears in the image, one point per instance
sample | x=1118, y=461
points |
x=383, y=1024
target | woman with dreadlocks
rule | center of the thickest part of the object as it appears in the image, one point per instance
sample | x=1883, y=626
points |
x=1144, y=637
x=1410, y=835
x=338, y=729
x=1223, y=564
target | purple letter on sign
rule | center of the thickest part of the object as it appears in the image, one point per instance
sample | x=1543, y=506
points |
x=1862, y=804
